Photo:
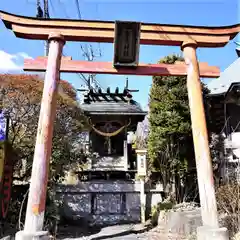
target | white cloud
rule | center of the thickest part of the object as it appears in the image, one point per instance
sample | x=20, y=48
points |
x=12, y=63
x=24, y=55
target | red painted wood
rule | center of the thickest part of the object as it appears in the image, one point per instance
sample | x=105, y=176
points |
x=40, y=167
x=99, y=31
x=70, y=66
x=200, y=138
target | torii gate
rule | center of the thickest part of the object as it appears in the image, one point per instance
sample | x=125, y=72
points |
x=57, y=32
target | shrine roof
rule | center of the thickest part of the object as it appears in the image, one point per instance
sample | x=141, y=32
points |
x=111, y=104
x=114, y=108
x=227, y=77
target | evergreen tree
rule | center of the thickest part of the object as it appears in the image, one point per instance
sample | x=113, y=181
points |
x=170, y=144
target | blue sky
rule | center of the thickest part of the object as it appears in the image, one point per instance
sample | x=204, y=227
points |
x=191, y=12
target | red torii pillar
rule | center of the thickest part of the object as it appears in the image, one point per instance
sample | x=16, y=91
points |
x=200, y=137
x=210, y=229
x=43, y=148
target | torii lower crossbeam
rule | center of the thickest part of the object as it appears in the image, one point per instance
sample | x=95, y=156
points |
x=70, y=66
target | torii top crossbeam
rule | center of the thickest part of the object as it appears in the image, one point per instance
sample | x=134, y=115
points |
x=103, y=31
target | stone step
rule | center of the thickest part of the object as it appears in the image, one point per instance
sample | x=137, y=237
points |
x=107, y=163
x=100, y=167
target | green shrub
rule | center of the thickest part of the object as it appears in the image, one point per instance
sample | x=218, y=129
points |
x=161, y=206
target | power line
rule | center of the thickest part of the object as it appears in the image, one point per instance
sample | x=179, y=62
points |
x=86, y=54
x=78, y=9
x=90, y=78
x=81, y=76
x=63, y=8
x=53, y=10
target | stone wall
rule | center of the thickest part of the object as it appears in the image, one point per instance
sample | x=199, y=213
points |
x=105, y=202
x=180, y=223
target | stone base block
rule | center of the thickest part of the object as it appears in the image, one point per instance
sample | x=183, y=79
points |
x=41, y=235
x=208, y=233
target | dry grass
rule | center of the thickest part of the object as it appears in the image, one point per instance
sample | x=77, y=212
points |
x=228, y=200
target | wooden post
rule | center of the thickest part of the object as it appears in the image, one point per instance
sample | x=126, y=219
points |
x=38, y=186
x=200, y=137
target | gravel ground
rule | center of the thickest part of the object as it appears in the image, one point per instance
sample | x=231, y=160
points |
x=127, y=232
x=117, y=232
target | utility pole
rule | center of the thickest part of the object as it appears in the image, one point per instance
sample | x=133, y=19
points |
x=43, y=14
x=46, y=15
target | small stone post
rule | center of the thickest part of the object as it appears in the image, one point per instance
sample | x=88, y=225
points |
x=143, y=199
x=125, y=154
x=142, y=172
